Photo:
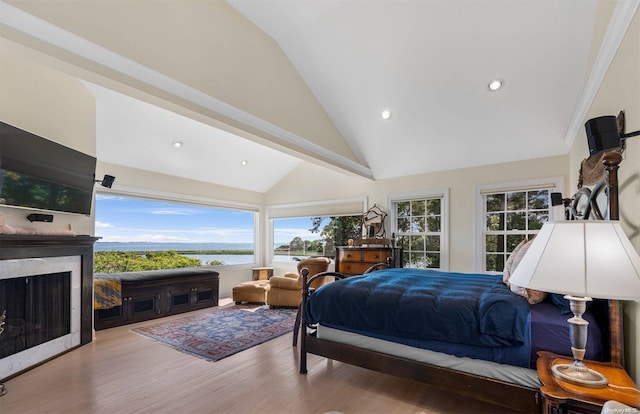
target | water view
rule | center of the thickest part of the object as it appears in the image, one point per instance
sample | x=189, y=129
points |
x=227, y=253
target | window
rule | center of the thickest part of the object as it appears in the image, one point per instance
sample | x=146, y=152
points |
x=508, y=216
x=138, y=226
x=301, y=237
x=314, y=228
x=420, y=228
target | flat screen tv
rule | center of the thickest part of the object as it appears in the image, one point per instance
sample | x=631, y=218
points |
x=41, y=174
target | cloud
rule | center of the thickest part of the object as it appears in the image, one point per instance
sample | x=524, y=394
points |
x=102, y=225
x=289, y=233
x=100, y=196
x=224, y=233
x=174, y=212
x=161, y=238
x=144, y=238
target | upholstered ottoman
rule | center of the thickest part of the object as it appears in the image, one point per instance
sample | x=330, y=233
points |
x=254, y=291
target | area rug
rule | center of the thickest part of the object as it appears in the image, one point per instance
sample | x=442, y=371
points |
x=222, y=331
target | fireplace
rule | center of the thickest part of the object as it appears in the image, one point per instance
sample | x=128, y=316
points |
x=41, y=297
x=46, y=291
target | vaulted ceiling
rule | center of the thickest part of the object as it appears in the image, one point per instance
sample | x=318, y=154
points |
x=276, y=83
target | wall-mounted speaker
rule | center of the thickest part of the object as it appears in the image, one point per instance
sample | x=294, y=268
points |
x=556, y=199
x=107, y=181
x=602, y=133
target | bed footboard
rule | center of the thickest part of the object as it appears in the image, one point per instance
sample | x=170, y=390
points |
x=306, y=291
x=512, y=396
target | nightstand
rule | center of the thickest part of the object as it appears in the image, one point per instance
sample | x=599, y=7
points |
x=561, y=397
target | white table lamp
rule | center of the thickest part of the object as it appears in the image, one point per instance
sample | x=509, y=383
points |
x=581, y=259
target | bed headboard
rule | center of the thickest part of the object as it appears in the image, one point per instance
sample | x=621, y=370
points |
x=586, y=205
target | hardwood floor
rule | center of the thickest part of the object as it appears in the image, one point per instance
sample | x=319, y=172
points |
x=122, y=372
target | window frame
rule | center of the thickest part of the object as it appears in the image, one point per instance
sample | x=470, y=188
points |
x=185, y=199
x=443, y=194
x=554, y=184
x=340, y=207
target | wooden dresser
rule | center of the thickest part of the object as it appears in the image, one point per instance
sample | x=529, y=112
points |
x=356, y=260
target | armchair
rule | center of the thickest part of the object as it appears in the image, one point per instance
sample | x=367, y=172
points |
x=286, y=290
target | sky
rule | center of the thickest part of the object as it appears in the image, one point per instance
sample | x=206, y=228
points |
x=126, y=219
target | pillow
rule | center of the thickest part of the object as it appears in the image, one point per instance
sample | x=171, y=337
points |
x=560, y=302
x=513, y=261
x=535, y=296
x=532, y=296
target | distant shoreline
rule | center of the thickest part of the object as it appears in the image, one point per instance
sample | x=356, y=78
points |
x=210, y=248
x=195, y=249
x=245, y=252
x=198, y=252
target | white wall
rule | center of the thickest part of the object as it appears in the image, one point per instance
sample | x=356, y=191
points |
x=311, y=183
x=58, y=107
x=620, y=90
x=52, y=105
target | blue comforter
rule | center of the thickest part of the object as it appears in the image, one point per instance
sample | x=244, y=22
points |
x=461, y=308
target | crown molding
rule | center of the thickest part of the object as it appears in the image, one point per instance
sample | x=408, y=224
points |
x=618, y=25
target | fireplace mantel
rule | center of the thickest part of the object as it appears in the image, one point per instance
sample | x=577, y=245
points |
x=24, y=247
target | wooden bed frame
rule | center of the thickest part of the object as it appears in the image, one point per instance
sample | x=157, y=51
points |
x=512, y=396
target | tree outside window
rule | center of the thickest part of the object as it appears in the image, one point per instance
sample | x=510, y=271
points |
x=419, y=231
x=511, y=217
x=297, y=238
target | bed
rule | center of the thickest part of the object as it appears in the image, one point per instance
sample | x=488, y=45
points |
x=477, y=338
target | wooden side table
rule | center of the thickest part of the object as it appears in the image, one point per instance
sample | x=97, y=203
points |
x=262, y=273
x=561, y=397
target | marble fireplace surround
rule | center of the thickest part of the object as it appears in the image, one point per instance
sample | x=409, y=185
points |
x=38, y=254
x=15, y=268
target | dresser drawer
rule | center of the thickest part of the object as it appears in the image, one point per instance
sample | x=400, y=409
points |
x=354, y=268
x=356, y=260
x=375, y=256
x=350, y=255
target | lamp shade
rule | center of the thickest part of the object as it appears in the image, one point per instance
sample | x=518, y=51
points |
x=581, y=258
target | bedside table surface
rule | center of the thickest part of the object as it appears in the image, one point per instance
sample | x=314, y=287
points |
x=621, y=387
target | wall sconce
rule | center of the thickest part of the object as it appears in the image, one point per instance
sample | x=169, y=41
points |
x=606, y=132
x=107, y=181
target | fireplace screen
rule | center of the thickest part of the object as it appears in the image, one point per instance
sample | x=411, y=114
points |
x=38, y=310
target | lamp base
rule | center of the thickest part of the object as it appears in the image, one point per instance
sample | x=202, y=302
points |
x=584, y=377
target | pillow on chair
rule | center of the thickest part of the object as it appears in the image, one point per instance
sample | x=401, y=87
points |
x=290, y=280
x=287, y=290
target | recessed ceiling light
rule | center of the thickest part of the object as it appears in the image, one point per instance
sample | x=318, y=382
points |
x=177, y=144
x=496, y=84
x=385, y=114
x=244, y=162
